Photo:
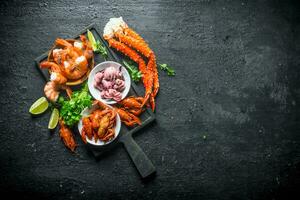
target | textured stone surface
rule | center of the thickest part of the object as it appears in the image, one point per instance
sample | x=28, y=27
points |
x=227, y=123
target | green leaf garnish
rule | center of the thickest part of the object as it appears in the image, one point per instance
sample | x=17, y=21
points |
x=165, y=67
x=135, y=74
x=71, y=109
x=100, y=48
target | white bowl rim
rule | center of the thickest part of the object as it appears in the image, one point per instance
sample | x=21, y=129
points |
x=95, y=70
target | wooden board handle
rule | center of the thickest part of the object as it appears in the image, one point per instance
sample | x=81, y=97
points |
x=139, y=158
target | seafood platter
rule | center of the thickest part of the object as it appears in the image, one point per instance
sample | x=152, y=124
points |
x=92, y=88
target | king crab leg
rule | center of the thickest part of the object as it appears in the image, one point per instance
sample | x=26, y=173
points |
x=147, y=76
x=137, y=42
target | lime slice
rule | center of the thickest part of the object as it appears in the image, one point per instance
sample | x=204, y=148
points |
x=53, y=119
x=91, y=39
x=39, y=106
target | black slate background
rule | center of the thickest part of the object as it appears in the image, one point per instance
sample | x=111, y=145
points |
x=227, y=123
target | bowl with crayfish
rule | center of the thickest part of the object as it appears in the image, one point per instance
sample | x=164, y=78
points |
x=100, y=125
x=66, y=51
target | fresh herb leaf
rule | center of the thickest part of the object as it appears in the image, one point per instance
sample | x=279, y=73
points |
x=135, y=74
x=97, y=46
x=165, y=67
x=71, y=109
x=100, y=48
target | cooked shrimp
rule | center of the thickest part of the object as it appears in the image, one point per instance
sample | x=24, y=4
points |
x=88, y=51
x=74, y=63
x=63, y=43
x=58, y=78
x=70, y=63
x=52, y=89
x=72, y=58
x=75, y=69
x=57, y=74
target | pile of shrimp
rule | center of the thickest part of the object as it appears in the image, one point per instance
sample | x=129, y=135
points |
x=110, y=82
x=70, y=62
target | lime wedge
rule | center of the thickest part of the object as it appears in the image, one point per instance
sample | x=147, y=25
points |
x=39, y=106
x=53, y=119
x=91, y=39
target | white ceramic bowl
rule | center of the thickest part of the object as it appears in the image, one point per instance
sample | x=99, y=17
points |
x=96, y=93
x=88, y=111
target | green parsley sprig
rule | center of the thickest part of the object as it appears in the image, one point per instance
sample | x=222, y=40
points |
x=100, y=48
x=135, y=74
x=71, y=109
x=165, y=67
